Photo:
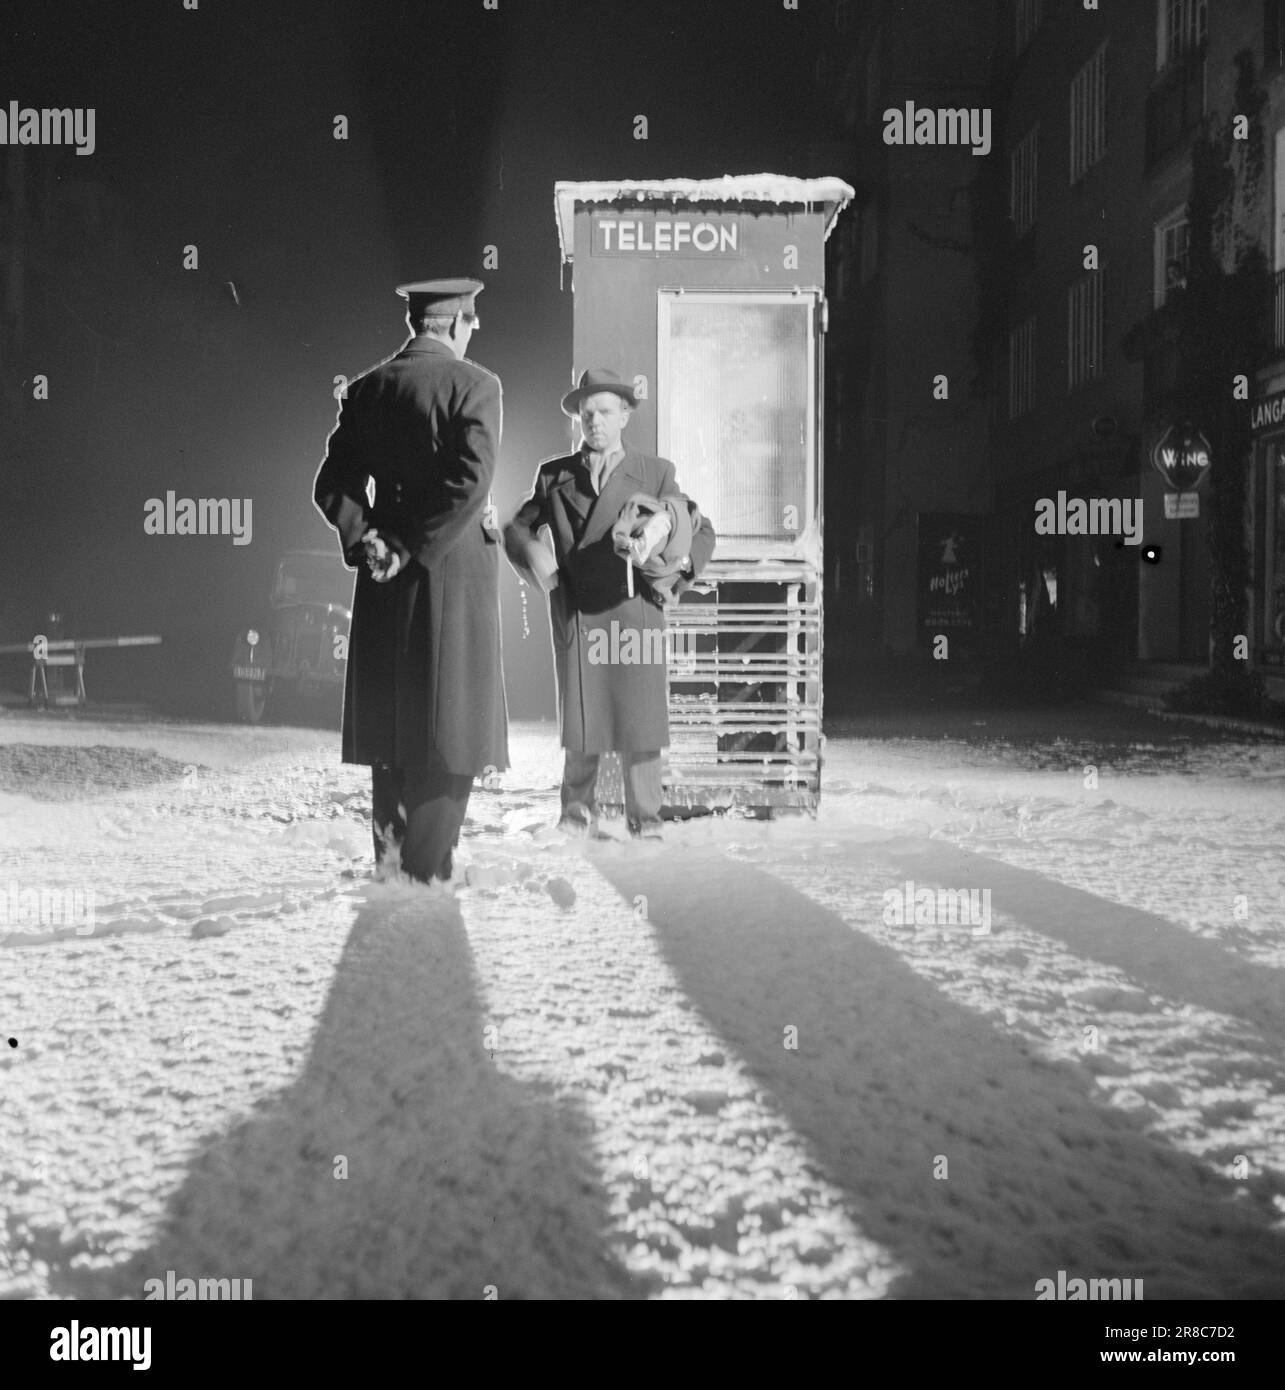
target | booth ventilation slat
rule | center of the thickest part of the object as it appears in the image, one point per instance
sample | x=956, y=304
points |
x=745, y=689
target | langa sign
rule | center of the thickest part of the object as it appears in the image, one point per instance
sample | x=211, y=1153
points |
x=1269, y=412
x=1181, y=456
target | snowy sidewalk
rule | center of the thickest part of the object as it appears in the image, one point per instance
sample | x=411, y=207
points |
x=710, y=1069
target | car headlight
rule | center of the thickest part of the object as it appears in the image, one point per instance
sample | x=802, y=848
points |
x=252, y=637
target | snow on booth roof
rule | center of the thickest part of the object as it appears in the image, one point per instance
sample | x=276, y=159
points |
x=833, y=195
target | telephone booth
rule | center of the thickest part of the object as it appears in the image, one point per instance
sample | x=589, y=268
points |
x=709, y=295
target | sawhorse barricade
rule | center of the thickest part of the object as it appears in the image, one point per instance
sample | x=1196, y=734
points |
x=64, y=652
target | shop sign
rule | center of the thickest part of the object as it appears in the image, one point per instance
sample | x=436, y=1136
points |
x=949, y=573
x=1181, y=456
x=1181, y=506
x=1269, y=412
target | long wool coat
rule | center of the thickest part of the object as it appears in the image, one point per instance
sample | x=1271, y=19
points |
x=606, y=700
x=425, y=678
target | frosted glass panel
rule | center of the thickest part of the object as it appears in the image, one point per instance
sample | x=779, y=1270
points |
x=737, y=390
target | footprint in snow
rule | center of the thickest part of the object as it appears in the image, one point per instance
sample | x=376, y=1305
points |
x=561, y=892
x=212, y=926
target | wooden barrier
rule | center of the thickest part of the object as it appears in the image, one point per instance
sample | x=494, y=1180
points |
x=65, y=651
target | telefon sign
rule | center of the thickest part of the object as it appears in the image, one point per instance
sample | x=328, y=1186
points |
x=1182, y=456
x=646, y=233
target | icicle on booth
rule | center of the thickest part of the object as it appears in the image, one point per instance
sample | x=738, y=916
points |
x=709, y=296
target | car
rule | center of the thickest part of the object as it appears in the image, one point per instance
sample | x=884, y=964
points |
x=301, y=651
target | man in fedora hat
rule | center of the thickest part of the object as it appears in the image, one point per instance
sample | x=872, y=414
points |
x=424, y=691
x=625, y=539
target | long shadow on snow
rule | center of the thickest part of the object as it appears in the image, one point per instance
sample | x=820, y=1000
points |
x=1158, y=954
x=458, y=1177
x=888, y=1074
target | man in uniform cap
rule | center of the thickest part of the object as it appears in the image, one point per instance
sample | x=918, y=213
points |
x=424, y=692
x=625, y=540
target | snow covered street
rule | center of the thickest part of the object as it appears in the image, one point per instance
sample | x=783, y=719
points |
x=717, y=1067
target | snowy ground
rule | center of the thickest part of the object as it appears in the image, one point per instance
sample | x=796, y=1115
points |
x=709, y=1069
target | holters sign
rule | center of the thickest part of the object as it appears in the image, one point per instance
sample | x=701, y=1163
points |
x=1182, y=457
x=949, y=573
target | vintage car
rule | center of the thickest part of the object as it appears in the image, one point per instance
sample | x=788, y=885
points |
x=302, y=649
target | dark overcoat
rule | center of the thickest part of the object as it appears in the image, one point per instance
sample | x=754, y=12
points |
x=614, y=703
x=425, y=679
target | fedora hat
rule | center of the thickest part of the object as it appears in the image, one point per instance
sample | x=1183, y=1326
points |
x=591, y=382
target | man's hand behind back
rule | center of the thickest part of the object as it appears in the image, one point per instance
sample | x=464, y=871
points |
x=384, y=562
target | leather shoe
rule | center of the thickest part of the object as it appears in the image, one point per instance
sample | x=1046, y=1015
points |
x=578, y=820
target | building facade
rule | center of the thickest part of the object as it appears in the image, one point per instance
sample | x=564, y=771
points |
x=1050, y=278
x=1267, y=476
x=906, y=434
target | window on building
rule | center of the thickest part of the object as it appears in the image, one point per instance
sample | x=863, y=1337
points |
x=846, y=244
x=1278, y=190
x=869, y=240
x=866, y=564
x=1170, y=255
x=1022, y=185
x=997, y=364
x=1089, y=114
x=1274, y=33
x=836, y=275
x=1021, y=369
x=872, y=78
x=1176, y=103
x=1084, y=330
x=1029, y=14
x=1277, y=341
x=1180, y=27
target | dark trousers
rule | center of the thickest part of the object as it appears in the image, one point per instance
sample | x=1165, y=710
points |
x=434, y=803
x=642, y=785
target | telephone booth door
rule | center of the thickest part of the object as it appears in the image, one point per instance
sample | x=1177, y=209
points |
x=738, y=407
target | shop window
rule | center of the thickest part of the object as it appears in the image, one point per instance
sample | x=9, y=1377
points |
x=1274, y=576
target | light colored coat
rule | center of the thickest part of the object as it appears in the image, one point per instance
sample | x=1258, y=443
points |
x=602, y=706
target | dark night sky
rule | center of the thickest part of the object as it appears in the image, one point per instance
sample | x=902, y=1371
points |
x=214, y=127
